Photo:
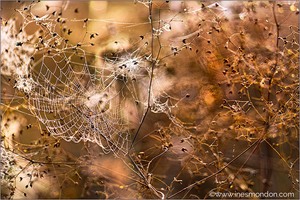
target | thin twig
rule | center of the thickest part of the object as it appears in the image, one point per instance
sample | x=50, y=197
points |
x=153, y=63
x=220, y=170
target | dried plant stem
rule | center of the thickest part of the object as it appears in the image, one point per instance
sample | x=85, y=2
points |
x=265, y=150
x=153, y=63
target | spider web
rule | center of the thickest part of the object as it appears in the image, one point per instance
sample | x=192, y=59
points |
x=74, y=99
